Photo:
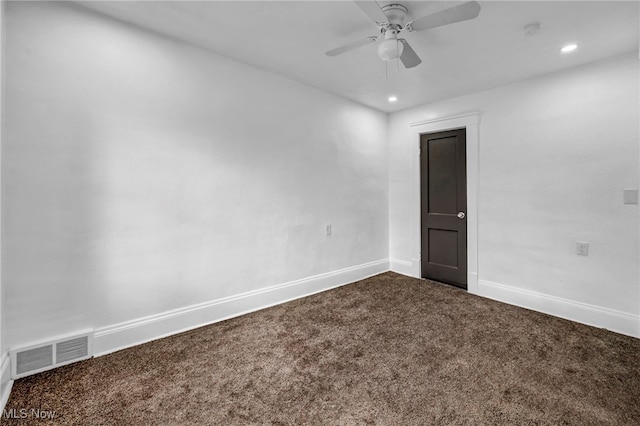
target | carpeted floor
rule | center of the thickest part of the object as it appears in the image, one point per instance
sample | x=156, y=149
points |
x=389, y=350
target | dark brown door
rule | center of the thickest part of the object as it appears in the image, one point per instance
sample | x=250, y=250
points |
x=443, y=183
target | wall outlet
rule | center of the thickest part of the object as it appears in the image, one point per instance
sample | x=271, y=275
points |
x=328, y=229
x=582, y=248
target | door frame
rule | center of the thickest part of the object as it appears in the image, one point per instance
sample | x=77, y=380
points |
x=470, y=121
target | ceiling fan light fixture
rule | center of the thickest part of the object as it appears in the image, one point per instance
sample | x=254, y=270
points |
x=390, y=48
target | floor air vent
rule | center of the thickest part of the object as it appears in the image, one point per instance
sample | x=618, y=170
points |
x=51, y=354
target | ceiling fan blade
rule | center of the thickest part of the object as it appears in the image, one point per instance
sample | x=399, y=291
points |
x=409, y=57
x=462, y=12
x=372, y=10
x=350, y=46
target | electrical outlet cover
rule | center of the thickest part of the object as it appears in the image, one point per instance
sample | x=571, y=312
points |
x=582, y=248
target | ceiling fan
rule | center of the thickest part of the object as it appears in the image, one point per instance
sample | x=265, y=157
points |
x=393, y=19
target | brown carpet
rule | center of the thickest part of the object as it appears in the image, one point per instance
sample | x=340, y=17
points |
x=388, y=350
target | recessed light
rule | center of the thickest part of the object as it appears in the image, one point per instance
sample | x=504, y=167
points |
x=569, y=48
x=393, y=98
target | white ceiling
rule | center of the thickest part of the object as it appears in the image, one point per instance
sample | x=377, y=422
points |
x=290, y=38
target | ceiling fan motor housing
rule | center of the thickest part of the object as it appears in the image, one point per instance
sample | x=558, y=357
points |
x=396, y=15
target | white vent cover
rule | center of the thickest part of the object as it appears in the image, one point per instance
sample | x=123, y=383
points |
x=51, y=354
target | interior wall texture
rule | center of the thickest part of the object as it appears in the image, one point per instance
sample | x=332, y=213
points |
x=555, y=154
x=5, y=373
x=2, y=98
x=141, y=174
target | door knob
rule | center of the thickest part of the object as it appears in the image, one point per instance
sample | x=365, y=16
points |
x=461, y=215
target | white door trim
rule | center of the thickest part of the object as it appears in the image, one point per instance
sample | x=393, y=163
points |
x=471, y=122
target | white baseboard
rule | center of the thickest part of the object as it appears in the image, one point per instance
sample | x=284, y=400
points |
x=401, y=267
x=130, y=333
x=620, y=322
x=5, y=380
